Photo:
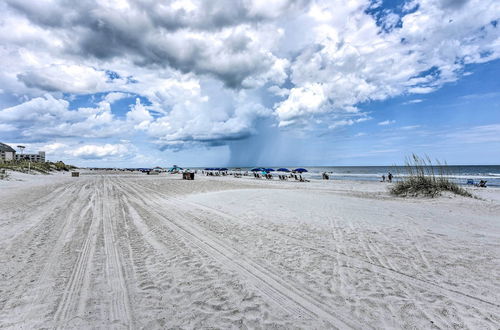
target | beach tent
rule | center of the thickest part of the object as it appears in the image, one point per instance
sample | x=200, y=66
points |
x=175, y=169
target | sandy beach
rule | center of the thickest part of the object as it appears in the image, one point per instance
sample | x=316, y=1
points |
x=130, y=251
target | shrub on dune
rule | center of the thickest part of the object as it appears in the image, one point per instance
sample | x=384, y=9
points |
x=421, y=180
x=40, y=167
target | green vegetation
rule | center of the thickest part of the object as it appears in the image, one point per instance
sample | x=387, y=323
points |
x=45, y=168
x=422, y=180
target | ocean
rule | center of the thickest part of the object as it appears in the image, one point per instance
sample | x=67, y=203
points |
x=457, y=173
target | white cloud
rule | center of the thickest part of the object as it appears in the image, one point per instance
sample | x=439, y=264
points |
x=477, y=134
x=353, y=61
x=410, y=127
x=52, y=148
x=224, y=116
x=421, y=90
x=414, y=101
x=76, y=79
x=209, y=70
x=304, y=100
x=347, y=122
x=48, y=117
x=279, y=91
x=91, y=151
x=115, y=96
x=139, y=115
x=41, y=110
x=7, y=128
x=386, y=122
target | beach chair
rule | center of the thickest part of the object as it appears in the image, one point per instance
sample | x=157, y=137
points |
x=482, y=184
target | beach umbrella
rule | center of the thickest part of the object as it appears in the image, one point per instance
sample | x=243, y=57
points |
x=223, y=169
x=257, y=169
x=283, y=170
x=269, y=170
x=300, y=170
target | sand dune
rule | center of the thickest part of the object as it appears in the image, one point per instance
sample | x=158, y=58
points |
x=131, y=251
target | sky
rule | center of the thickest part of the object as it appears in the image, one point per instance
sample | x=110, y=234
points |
x=121, y=83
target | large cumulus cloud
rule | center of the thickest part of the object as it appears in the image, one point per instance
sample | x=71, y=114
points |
x=210, y=72
x=47, y=117
x=217, y=38
x=353, y=59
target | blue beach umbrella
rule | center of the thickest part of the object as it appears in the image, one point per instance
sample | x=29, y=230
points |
x=257, y=169
x=300, y=170
x=269, y=169
x=283, y=170
x=223, y=169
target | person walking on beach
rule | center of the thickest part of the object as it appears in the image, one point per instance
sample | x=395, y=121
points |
x=383, y=178
x=389, y=177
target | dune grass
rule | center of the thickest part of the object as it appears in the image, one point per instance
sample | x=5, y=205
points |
x=44, y=168
x=423, y=178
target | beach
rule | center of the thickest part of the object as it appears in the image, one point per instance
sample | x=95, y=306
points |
x=115, y=250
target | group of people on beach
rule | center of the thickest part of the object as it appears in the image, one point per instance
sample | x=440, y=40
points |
x=389, y=177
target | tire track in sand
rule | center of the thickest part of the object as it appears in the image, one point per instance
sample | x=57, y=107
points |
x=34, y=214
x=68, y=228
x=120, y=304
x=460, y=297
x=422, y=283
x=37, y=251
x=282, y=294
x=360, y=263
x=72, y=304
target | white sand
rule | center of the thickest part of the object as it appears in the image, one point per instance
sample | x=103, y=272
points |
x=135, y=251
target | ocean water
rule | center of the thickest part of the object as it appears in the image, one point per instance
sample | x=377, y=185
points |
x=457, y=173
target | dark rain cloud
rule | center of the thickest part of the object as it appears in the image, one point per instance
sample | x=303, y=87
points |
x=153, y=34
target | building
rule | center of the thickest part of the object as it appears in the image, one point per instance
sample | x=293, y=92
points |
x=7, y=153
x=35, y=158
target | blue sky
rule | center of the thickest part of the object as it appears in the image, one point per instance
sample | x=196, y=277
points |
x=288, y=82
